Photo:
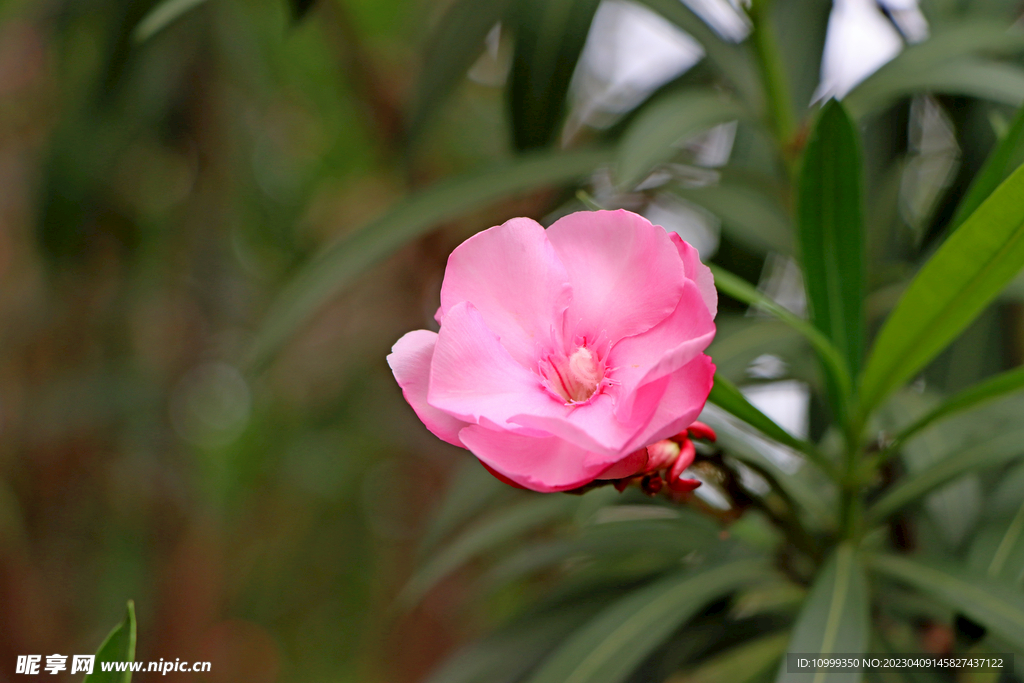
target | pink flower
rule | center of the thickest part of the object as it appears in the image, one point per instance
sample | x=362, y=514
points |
x=564, y=352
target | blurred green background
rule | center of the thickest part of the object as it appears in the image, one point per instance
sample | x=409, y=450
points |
x=153, y=198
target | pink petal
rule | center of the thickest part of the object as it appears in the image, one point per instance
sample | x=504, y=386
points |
x=624, y=272
x=698, y=272
x=512, y=275
x=540, y=464
x=410, y=362
x=683, y=399
x=635, y=463
x=661, y=350
x=474, y=377
x=593, y=425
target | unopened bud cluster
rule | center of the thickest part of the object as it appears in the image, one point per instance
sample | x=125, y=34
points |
x=667, y=460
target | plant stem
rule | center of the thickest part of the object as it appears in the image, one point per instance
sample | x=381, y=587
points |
x=852, y=505
x=773, y=76
x=790, y=525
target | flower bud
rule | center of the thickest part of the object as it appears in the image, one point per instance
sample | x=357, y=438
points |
x=687, y=453
x=661, y=454
x=652, y=484
x=699, y=430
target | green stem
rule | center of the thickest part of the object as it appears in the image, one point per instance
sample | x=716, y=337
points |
x=791, y=526
x=851, y=501
x=773, y=75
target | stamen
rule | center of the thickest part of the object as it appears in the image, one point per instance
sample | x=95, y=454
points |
x=576, y=378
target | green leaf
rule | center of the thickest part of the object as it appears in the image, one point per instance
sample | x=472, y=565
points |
x=990, y=390
x=741, y=290
x=618, y=639
x=454, y=44
x=831, y=232
x=550, y=35
x=505, y=656
x=751, y=214
x=942, y=63
x=163, y=14
x=741, y=339
x=956, y=284
x=997, y=166
x=743, y=663
x=997, y=549
x=800, y=59
x=491, y=533
x=727, y=396
x=651, y=138
x=471, y=490
x=339, y=264
x=971, y=77
x=668, y=538
x=995, y=604
x=119, y=646
x=812, y=493
x=985, y=454
x=729, y=59
x=835, y=618
x=955, y=506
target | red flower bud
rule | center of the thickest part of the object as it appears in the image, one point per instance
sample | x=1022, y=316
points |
x=699, y=430
x=661, y=454
x=652, y=484
x=687, y=452
x=684, y=485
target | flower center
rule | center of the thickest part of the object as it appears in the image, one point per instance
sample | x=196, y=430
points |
x=575, y=378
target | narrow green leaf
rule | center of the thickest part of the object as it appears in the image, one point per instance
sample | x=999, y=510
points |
x=651, y=138
x=550, y=35
x=955, y=506
x=750, y=214
x=800, y=59
x=508, y=654
x=741, y=290
x=971, y=77
x=835, y=617
x=831, y=232
x=1005, y=499
x=454, y=44
x=812, y=494
x=339, y=264
x=489, y=534
x=985, y=454
x=611, y=645
x=956, y=284
x=727, y=396
x=119, y=646
x=668, y=538
x=990, y=390
x=997, y=548
x=741, y=339
x=734, y=61
x=997, y=605
x=470, y=491
x=941, y=63
x=741, y=664
x=997, y=166
x=163, y=14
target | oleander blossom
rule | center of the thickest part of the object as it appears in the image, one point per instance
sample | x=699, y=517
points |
x=563, y=353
